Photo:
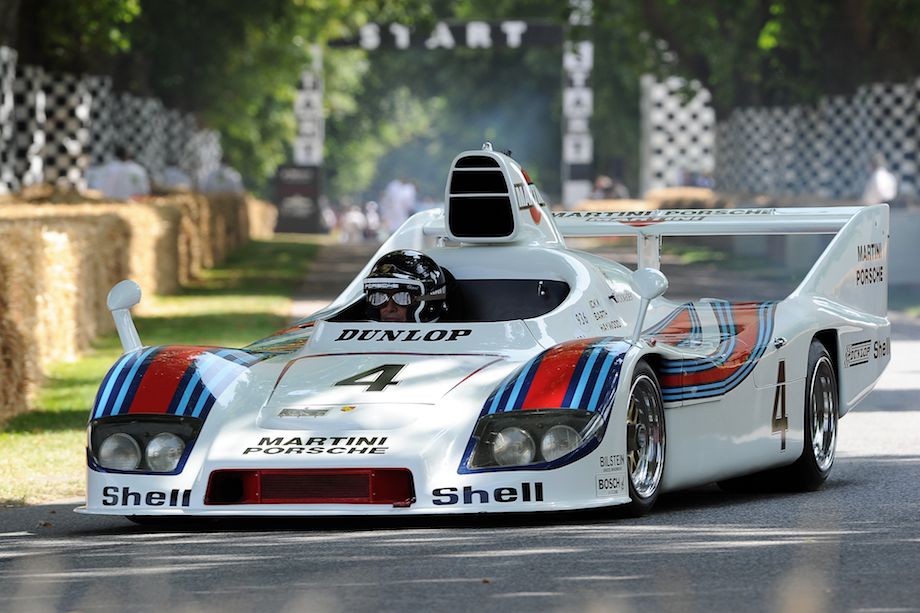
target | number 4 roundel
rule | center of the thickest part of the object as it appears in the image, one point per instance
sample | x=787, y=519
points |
x=384, y=377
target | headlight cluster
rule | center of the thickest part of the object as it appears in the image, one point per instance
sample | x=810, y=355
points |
x=154, y=444
x=523, y=438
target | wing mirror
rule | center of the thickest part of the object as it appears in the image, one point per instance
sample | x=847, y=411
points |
x=650, y=284
x=122, y=297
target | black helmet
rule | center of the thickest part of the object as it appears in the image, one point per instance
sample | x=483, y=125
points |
x=417, y=274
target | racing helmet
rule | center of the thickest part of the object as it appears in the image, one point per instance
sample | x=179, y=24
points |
x=412, y=280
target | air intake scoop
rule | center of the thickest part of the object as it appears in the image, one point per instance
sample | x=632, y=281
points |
x=486, y=190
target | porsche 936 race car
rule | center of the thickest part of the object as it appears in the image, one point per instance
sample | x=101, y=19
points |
x=553, y=379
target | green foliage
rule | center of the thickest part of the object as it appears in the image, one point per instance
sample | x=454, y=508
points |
x=69, y=35
x=766, y=52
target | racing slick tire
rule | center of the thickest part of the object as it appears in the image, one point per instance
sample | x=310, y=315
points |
x=645, y=441
x=822, y=411
x=811, y=469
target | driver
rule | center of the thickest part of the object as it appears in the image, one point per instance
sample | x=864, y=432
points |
x=406, y=286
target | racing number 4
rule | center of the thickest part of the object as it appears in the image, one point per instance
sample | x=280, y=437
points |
x=780, y=422
x=385, y=375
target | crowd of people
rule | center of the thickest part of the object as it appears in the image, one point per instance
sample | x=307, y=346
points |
x=123, y=178
x=377, y=220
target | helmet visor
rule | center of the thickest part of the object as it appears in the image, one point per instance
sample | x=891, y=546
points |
x=402, y=298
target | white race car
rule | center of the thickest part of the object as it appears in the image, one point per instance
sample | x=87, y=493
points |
x=552, y=380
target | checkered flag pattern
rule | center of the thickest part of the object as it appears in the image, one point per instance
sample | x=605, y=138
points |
x=140, y=127
x=28, y=125
x=179, y=129
x=102, y=126
x=825, y=150
x=8, y=180
x=204, y=153
x=678, y=135
x=53, y=126
x=67, y=119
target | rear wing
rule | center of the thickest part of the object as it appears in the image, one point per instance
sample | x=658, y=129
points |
x=650, y=226
x=851, y=271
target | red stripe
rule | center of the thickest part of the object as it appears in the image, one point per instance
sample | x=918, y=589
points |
x=676, y=331
x=553, y=375
x=159, y=384
x=746, y=321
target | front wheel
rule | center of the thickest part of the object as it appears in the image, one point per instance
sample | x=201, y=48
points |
x=645, y=440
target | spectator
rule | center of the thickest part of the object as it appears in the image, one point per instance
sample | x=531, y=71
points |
x=396, y=204
x=121, y=178
x=882, y=185
x=352, y=225
x=174, y=177
x=371, y=214
x=223, y=179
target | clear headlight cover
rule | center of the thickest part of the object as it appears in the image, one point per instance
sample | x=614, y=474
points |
x=558, y=441
x=532, y=438
x=120, y=452
x=164, y=452
x=513, y=446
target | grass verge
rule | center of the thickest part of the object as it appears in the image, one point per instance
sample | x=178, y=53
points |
x=42, y=452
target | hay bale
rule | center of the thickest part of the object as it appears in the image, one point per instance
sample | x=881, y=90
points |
x=263, y=216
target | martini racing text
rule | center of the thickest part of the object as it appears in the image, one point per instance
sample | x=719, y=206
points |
x=315, y=445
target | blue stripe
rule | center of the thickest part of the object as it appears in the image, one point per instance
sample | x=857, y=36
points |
x=130, y=382
x=589, y=380
x=214, y=388
x=516, y=396
x=498, y=394
x=193, y=376
x=601, y=382
x=528, y=380
x=576, y=377
x=109, y=383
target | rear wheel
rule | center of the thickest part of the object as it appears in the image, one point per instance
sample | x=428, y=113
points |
x=810, y=471
x=821, y=415
x=645, y=440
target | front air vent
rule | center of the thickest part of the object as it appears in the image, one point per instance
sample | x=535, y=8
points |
x=476, y=161
x=393, y=486
x=478, y=182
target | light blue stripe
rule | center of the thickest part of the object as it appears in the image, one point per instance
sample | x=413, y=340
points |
x=517, y=387
x=116, y=407
x=494, y=406
x=585, y=375
x=599, y=384
x=212, y=360
x=108, y=386
x=214, y=388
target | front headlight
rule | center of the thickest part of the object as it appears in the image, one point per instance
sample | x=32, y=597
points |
x=513, y=446
x=119, y=452
x=503, y=440
x=142, y=443
x=558, y=441
x=164, y=452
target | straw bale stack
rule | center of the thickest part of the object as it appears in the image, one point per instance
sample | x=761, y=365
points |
x=262, y=218
x=59, y=261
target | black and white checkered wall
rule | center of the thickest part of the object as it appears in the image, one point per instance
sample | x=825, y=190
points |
x=53, y=126
x=8, y=180
x=824, y=150
x=65, y=155
x=28, y=126
x=678, y=135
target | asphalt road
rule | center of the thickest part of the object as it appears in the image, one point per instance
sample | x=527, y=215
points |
x=855, y=545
